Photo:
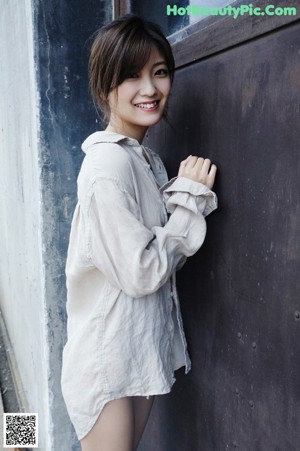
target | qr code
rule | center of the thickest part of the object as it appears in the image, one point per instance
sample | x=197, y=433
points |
x=20, y=430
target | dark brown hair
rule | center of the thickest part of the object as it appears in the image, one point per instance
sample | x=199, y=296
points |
x=121, y=47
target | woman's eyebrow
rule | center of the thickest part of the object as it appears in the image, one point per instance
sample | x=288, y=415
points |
x=159, y=62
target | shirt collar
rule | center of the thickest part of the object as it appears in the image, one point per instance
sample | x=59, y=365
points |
x=108, y=137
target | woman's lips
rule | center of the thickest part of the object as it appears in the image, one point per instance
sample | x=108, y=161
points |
x=148, y=106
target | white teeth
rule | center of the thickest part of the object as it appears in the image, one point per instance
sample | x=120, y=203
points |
x=147, y=106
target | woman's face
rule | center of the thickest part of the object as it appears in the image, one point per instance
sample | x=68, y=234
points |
x=141, y=99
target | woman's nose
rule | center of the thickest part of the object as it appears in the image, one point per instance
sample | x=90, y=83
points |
x=147, y=87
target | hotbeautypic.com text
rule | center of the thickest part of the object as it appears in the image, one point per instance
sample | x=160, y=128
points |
x=235, y=12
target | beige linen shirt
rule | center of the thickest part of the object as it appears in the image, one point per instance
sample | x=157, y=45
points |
x=131, y=231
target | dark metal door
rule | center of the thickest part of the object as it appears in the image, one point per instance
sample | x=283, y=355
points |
x=240, y=294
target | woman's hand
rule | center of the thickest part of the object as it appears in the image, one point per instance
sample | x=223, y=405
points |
x=198, y=169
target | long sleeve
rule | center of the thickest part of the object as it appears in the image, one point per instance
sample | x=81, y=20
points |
x=132, y=257
x=192, y=195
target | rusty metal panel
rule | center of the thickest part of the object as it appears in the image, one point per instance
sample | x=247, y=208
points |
x=241, y=292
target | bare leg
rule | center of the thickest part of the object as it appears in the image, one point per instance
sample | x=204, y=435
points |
x=114, y=429
x=142, y=409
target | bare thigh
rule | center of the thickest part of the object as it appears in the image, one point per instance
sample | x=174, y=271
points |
x=142, y=408
x=114, y=429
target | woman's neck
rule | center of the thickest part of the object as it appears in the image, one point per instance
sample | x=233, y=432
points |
x=131, y=133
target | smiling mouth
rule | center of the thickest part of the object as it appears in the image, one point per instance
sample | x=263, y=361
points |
x=147, y=105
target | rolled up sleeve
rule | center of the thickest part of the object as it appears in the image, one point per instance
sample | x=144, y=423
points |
x=189, y=194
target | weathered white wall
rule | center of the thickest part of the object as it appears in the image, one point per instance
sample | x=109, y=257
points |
x=45, y=114
x=21, y=268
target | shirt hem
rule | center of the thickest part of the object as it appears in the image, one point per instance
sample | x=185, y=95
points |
x=151, y=392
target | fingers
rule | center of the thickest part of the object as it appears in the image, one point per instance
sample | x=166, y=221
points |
x=206, y=165
x=213, y=170
x=211, y=176
x=198, y=169
x=183, y=165
x=187, y=164
x=192, y=161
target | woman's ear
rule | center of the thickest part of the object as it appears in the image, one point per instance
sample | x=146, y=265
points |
x=101, y=97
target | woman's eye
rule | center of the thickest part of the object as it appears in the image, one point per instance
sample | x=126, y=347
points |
x=162, y=72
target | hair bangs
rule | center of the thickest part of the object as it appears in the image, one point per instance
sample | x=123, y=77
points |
x=135, y=54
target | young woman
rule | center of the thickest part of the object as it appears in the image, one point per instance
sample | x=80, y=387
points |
x=131, y=231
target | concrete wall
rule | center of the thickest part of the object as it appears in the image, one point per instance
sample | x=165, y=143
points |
x=22, y=271
x=45, y=114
